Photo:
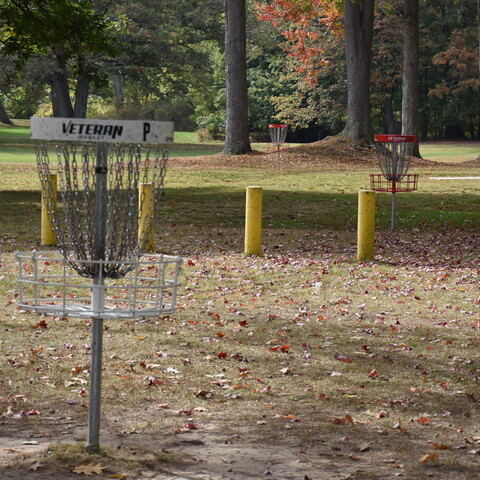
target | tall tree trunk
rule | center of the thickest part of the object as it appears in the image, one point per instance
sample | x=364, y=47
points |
x=60, y=94
x=358, y=39
x=81, y=97
x=4, y=118
x=410, y=88
x=237, y=140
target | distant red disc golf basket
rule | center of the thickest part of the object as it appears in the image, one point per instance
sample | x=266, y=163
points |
x=394, y=157
x=278, y=135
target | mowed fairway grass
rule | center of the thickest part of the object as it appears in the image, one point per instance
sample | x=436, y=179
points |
x=373, y=364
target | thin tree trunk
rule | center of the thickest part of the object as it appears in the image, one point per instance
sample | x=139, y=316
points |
x=118, y=90
x=359, y=16
x=389, y=116
x=410, y=88
x=81, y=98
x=60, y=94
x=237, y=140
x=4, y=118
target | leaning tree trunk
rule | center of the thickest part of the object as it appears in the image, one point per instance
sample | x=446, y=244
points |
x=4, y=118
x=237, y=140
x=81, y=97
x=410, y=88
x=60, y=93
x=359, y=16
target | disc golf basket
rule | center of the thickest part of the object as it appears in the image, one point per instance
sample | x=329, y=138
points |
x=278, y=135
x=394, y=160
x=102, y=270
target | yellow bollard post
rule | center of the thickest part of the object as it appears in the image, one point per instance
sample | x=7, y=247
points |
x=253, y=221
x=366, y=225
x=146, y=230
x=47, y=236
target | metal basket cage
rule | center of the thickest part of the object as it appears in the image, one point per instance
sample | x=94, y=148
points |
x=278, y=133
x=379, y=183
x=49, y=284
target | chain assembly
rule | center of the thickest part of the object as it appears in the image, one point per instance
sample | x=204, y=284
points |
x=93, y=226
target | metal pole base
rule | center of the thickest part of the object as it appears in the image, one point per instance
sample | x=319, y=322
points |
x=393, y=212
x=93, y=437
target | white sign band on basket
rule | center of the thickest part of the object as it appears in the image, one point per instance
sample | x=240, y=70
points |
x=100, y=130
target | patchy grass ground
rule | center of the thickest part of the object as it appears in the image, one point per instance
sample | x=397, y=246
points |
x=299, y=364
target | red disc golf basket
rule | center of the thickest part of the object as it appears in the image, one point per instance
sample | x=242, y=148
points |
x=394, y=160
x=278, y=135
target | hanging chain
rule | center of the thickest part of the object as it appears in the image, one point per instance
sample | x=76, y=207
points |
x=393, y=160
x=74, y=223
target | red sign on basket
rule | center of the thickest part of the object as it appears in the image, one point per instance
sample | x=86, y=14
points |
x=395, y=138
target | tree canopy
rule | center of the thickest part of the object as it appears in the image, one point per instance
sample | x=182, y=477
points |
x=73, y=28
x=166, y=60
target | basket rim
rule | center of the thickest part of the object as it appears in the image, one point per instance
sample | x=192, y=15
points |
x=408, y=183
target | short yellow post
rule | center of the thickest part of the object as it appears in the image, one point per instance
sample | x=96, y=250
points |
x=253, y=221
x=146, y=203
x=366, y=225
x=47, y=236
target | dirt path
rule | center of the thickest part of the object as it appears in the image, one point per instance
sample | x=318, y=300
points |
x=274, y=450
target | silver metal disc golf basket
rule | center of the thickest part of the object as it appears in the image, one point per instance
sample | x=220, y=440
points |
x=393, y=154
x=102, y=225
x=278, y=135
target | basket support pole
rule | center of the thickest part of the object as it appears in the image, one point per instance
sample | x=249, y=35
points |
x=46, y=235
x=366, y=225
x=253, y=221
x=146, y=208
x=392, y=220
x=93, y=438
x=98, y=303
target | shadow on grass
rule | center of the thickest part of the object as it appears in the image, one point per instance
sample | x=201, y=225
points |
x=208, y=208
x=213, y=207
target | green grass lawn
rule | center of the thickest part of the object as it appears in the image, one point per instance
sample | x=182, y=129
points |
x=450, y=151
x=16, y=146
x=366, y=364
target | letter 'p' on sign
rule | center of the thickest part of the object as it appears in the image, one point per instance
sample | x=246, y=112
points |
x=146, y=130
x=100, y=130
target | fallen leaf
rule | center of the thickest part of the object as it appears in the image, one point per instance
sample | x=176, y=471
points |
x=344, y=420
x=203, y=394
x=422, y=420
x=35, y=466
x=364, y=447
x=190, y=426
x=440, y=446
x=90, y=469
x=342, y=358
x=429, y=457
x=40, y=324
